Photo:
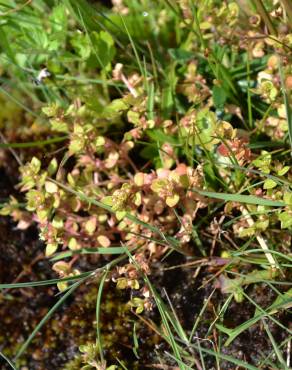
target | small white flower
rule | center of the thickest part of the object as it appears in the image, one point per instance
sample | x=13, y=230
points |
x=44, y=73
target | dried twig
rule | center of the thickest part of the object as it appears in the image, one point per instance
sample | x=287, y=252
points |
x=260, y=239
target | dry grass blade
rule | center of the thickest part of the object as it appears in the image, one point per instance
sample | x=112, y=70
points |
x=261, y=241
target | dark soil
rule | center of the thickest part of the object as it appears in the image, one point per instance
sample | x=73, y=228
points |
x=21, y=259
x=188, y=298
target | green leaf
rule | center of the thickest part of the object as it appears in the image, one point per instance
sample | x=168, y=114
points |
x=172, y=201
x=35, y=164
x=73, y=244
x=104, y=48
x=246, y=199
x=133, y=117
x=284, y=170
x=39, y=37
x=286, y=220
x=53, y=166
x=263, y=162
x=107, y=200
x=159, y=185
x=167, y=101
x=288, y=198
x=51, y=248
x=59, y=125
x=81, y=45
x=99, y=141
x=150, y=151
x=59, y=24
x=269, y=184
x=114, y=109
x=90, y=225
x=219, y=97
x=210, y=175
x=59, y=19
x=249, y=231
x=5, y=45
x=205, y=126
x=181, y=56
x=50, y=187
x=159, y=136
x=120, y=215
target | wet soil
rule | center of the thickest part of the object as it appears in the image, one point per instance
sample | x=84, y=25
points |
x=21, y=259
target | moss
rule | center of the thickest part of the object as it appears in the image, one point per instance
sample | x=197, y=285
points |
x=116, y=327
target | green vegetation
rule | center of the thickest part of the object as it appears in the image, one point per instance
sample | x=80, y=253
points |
x=153, y=143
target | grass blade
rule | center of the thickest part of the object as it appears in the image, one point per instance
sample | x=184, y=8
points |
x=8, y=361
x=230, y=359
x=31, y=144
x=246, y=199
x=274, y=344
x=133, y=46
x=261, y=313
x=105, y=251
x=32, y=284
x=286, y=103
x=98, y=303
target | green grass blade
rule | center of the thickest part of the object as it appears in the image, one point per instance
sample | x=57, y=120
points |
x=246, y=199
x=182, y=365
x=138, y=60
x=135, y=341
x=31, y=144
x=265, y=16
x=163, y=311
x=249, y=106
x=201, y=354
x=85, y=80
x=230, y=359
x=105, y=251
x=45, y=282
x=16, y=101
x=194, y=328
x=286, y=103
x=83, y=12
x=150, y=101
x=97, y=314
x=122, y=364
x=250, y=251
x=233, y=333
x=8, y=361
x=275, y=346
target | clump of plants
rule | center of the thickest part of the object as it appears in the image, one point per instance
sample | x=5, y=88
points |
x=175, y=144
